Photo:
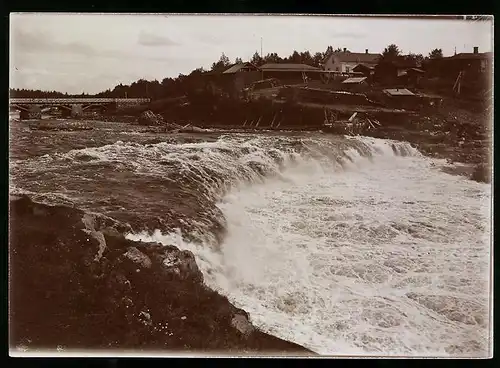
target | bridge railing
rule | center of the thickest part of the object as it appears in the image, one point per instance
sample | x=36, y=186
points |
x=76, y=100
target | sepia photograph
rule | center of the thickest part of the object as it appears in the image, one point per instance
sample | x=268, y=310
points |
x=246, y=185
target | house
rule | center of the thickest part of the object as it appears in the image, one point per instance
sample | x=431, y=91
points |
x=345, y=61
x=233, y=79
x=366, y=69
x=395, y=72
x=411, y=76
x=465, y=73
x=471, y=64
x=241, y=67
x=241, y=75
x=292, y=73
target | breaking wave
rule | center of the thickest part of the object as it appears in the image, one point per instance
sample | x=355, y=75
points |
x=343, y=245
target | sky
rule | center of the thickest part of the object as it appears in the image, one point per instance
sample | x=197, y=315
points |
x=90, y=53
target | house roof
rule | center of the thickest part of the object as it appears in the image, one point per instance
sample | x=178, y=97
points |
x=364, y=66
x=288, y=67
x=354, y=80
x=398, y=92
x=356, y=57
x=237, y=67
x=470, y=56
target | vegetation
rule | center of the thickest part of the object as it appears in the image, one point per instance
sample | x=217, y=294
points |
x=29, y=93
x=391, y=53
x=436, y=54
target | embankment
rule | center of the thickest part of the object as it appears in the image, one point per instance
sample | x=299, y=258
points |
x=77, y=283
x=449, y=131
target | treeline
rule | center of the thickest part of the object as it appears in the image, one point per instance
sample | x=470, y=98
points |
x=183, y=84
x=30, y=93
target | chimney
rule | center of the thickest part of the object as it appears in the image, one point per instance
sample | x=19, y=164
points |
x=366, y=51
x=476, y=50
x=345, y=49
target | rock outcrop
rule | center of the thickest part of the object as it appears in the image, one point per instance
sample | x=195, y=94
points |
x=482, y=173
x=150, y=118
x=77, y=282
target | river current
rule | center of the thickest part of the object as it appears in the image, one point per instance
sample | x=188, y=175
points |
x=347, y=246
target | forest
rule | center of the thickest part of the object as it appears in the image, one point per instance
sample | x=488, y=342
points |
x=181, y=85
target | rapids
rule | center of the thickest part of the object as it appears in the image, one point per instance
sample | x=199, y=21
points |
x=343, y=245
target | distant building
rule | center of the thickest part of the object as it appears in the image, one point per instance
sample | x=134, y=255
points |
x=465, y=73
x=400, y=98
x=241, y=75
x=234, y=79
x=366, y=69
x=345, y=61
x=396, y=72
x=292, y=73
x=355, y=84
x=241, y=67
x=472, y=64
x=404, y=98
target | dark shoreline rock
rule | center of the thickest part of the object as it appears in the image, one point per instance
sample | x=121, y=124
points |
x=70, y=290
x=482, y=173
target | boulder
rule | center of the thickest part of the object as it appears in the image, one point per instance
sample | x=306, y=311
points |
x=137, y=257
x=481, y=173
x=181, y=264
x=242, y=324
x=150, y=118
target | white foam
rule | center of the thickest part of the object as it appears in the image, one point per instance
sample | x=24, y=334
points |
x=327, y=258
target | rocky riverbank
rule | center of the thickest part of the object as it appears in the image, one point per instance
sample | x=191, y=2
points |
x=77, y=283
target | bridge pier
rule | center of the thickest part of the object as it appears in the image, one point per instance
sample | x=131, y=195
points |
x=32, y=112
x=76, y=110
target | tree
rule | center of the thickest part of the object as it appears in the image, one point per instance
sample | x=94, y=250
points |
x=222, y=64
x=317, y=59
x=306, y=58
x=238, y=61
x=391, y=52
x=198, y=71
x=295, y=58
x=415, y=58
x=272, y=58
x=436, y=54
x=257, y=59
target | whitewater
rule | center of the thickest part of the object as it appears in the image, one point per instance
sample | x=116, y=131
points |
x=377, y=253
x=345, y=245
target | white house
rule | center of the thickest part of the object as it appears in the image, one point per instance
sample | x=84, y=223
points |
x=345, y=61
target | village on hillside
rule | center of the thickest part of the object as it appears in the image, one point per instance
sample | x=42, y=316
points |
x=405, y=79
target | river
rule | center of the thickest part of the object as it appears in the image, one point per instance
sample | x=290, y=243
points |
x=347, y=246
